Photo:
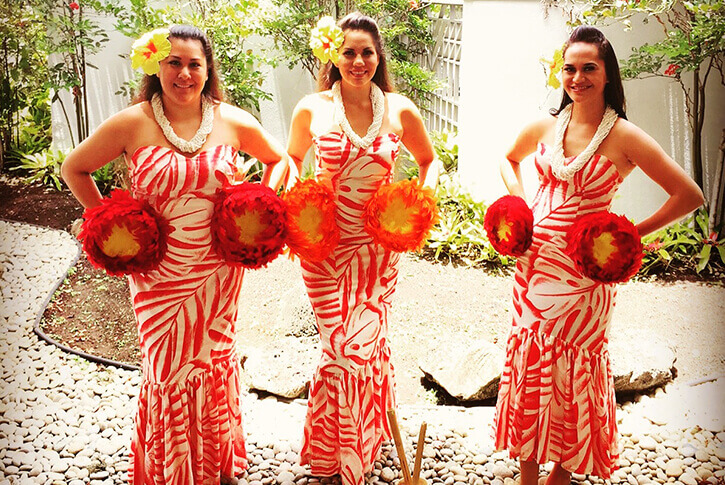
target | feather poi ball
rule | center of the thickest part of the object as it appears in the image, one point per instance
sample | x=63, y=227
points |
x=312, y=230
x=605, y=247
x=248, y=225
x=509, y=224
x=400, y=215
x=123, y=235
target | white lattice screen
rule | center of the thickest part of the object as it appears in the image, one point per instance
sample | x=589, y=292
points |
x=444, y=59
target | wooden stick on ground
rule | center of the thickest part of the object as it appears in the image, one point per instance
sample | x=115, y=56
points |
x=392, y=420
x=419, y=453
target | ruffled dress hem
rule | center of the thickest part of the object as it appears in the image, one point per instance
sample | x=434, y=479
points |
x=346, y=420
x=191, y=432
x=556, y=403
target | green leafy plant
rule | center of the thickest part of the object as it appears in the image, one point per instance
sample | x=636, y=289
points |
x=684, y=247
x=43, y=167
x=23, y=73
x=459, y=236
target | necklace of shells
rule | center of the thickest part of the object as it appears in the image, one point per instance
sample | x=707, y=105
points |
x=196, y=142
x=559, y=167
x=377, y=99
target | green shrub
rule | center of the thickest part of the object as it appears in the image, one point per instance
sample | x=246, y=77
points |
x=684, y=247
x=459, y=236
x=43, y=167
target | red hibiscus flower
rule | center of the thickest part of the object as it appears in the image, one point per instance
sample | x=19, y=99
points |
x=74, y=6
x=671, y=70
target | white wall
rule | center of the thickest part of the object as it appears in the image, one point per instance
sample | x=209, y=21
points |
x=503, y=88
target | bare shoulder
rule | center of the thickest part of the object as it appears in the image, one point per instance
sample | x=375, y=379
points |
x=313, y=102
x=236, y=116
x=539, y=129
x=624, y=131
x=399, y=103
x=130, y=118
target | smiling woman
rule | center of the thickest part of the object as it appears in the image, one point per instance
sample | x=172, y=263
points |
x=180, y=141
x=355, y=124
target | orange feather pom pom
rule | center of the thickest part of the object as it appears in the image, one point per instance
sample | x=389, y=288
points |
x=312, y=231
x=400, y=216
x=605, y=247
x=248, y=225
x=509, y=224
x=123, y=235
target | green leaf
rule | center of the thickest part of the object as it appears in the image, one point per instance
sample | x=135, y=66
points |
x=704, y=257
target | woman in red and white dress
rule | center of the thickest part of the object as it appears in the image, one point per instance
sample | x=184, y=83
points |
x=556, y=397
x=356, y=125
x=180, y=142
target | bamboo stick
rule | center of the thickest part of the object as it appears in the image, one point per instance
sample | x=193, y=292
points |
x=419, y=453
x=392, y=420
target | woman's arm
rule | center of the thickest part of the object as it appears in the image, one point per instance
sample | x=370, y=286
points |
x=684, y=194
x=257, y=142
x=416, y=140
x=524, y=145
x=300, y=137
x=102, y=146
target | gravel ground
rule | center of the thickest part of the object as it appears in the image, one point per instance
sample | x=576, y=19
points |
x=67, y=421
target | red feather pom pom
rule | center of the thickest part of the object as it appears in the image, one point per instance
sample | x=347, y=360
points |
x=400, y=216
x=509, y=224
x=312, y=231
x=124, y=235
x=248, y=225
x=605, y=247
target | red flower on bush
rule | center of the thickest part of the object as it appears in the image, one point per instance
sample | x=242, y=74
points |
x=605, y=247
x=400, y=216
x=671, y=70
x=654, y=246
x=312, y=231
x=248, y=225
x=74, y=6
x=413, y=4
x=509, y=224
x=124, y=235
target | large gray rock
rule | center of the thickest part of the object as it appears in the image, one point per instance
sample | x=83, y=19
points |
x=640, y=360
x=471, y=371
x=468, y=371
x=282, y=367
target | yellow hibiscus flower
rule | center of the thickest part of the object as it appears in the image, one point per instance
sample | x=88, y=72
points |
x=554, y=67
x=325, y=39
x=149, y=50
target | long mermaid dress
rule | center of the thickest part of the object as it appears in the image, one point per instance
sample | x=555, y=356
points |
x=188, y=428
x=350, y=292
x=556, y=396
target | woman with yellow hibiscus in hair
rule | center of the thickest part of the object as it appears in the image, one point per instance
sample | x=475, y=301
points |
x=180, y=141
x=356, y=125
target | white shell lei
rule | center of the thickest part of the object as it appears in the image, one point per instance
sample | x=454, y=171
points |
x=559, y=167
x=377, y=99
x=186, y=146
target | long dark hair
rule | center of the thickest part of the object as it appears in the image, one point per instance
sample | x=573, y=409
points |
x=151, y=84
x=329, y=73
x=613, y=90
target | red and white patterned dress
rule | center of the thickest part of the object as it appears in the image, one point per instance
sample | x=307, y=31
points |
x=189, y=421
x=556, y=396
x=350, y=292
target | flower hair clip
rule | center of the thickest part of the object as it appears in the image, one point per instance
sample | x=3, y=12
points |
x=325, y=39
x=149, y=50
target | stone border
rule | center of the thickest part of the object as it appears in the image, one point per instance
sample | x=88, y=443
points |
x=36, y=325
